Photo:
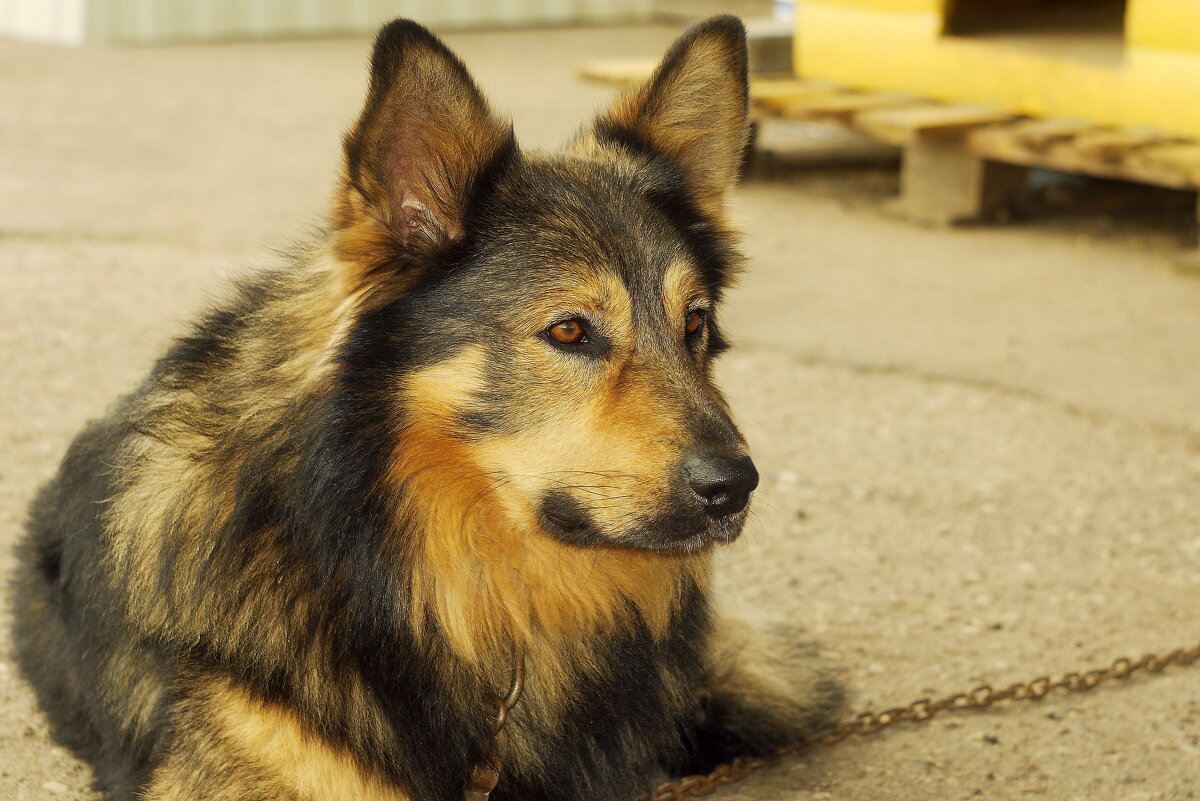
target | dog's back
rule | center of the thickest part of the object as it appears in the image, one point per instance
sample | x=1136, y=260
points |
x=100, y=686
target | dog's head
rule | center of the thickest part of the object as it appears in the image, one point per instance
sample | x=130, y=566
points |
x=550, y=321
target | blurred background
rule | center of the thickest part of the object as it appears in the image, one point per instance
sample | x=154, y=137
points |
x=967, y=344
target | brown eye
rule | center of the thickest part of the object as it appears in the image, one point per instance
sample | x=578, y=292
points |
x=568, y=332
x=695, y=319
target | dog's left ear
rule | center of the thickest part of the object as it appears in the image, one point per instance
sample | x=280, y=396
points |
x=415, y=159
x=693, y=110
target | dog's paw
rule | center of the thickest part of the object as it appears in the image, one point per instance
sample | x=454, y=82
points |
x=767, y=690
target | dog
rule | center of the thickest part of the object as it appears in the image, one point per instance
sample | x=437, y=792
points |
x=469, y=432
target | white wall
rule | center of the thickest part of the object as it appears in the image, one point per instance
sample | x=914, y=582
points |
x=73, y=22
x=60, y=21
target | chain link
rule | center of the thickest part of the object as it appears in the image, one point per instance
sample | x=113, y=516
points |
x=924, y=709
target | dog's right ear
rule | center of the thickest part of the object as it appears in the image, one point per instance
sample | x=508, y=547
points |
x=414, y=159
x=693, y=110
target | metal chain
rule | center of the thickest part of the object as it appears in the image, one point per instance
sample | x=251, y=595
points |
x=924, y=709
x=486, y=775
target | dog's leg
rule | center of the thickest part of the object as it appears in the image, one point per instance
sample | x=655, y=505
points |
x=230, y=746
x=765, y=690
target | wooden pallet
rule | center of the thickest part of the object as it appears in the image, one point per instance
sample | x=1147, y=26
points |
x=960, y=162
x=963, y=163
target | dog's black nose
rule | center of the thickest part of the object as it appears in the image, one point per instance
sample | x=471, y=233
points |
x=722, y=483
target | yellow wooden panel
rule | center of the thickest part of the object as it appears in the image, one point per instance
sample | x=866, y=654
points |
x=618, y=71
x=1173, y=24
x=1160, y=88
x=870, y=49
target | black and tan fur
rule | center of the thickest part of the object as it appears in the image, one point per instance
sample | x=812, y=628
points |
x=294, y=564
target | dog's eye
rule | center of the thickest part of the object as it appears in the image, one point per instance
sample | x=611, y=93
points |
x=568, y=332
x=695, y=321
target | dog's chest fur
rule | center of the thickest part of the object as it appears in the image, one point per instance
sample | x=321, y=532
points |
x=625, y=714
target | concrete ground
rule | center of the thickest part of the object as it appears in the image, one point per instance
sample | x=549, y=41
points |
x=980, y=447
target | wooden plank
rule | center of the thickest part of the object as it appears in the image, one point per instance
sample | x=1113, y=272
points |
x=1172, y=165
x=901, y=125
x=845, y=106
x=1114, y=145
x=1039, y=134
x=1008, y=143
x=1182, y=159
x=773, y=94
x=622, y=72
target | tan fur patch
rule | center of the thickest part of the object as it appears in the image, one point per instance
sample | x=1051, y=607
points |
x=441, y=390
x=280, y=747
x=682, y=290
x=257, y=749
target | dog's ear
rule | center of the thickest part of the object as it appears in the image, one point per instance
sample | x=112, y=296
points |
x=415, y=158
x=693, y=110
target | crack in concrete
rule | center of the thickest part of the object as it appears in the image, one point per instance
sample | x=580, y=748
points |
x=1188, y=435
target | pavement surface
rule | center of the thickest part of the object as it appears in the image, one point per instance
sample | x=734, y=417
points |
x=980, y=447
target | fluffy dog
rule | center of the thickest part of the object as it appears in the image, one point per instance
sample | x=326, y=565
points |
x=473, y=420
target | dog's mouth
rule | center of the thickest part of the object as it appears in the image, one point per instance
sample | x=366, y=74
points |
x=564, y=518
x=674, y=529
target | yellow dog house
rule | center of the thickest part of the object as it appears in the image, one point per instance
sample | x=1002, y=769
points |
x=1129, y=63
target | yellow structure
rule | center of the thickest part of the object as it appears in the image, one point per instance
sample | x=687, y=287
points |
x=1132, y=63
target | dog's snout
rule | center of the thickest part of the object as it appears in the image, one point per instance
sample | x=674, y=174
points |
x=722, y=483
